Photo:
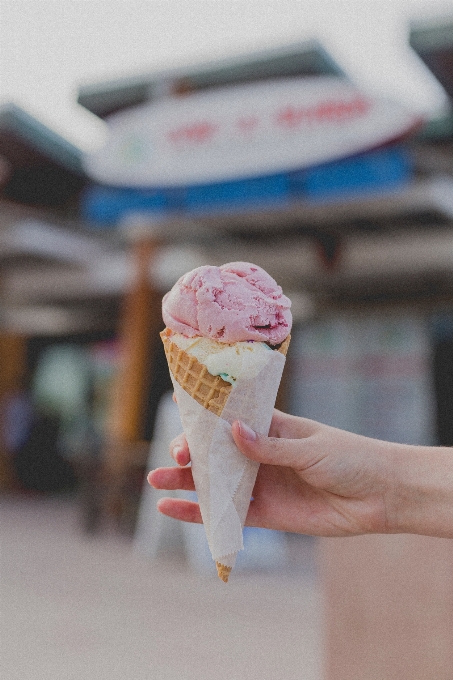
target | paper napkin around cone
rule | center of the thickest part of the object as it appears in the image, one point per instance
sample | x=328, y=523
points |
x=223, y=476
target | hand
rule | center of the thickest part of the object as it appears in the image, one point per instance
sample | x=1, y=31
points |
x=313, y=479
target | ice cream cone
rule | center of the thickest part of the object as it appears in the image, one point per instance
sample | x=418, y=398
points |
x=222, y=323
x=223, y=572
x=211, y=391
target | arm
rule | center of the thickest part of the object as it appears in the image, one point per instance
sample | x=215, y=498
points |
x=319, y=480
x=423, y=501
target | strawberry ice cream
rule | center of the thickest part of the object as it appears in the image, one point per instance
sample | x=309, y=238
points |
x=228, y=330
x=236, y=302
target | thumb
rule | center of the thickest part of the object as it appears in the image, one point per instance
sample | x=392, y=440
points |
x=269, y=450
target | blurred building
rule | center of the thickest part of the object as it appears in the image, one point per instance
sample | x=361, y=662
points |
x=46, y=250
x=44, y=242
x=359, y=235
x=364, y=232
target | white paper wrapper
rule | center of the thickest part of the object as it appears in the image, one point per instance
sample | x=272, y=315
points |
x=223, y=477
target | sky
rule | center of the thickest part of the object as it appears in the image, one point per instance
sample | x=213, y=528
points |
x=48, y=48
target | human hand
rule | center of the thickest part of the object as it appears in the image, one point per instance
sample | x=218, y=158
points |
x=313, y=479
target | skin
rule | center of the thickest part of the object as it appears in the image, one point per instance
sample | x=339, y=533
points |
x=319, y=480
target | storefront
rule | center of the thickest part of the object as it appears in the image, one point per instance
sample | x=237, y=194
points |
x=355, y=223
x=295, y=169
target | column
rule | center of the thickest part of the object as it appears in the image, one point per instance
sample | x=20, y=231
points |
x=12, y=370
x=138, y=335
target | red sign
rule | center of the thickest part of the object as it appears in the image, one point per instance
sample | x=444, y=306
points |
x=244, y=131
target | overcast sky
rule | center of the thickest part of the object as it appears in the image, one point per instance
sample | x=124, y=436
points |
x=49, y=47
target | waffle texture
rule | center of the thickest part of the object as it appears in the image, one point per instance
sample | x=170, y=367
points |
x=211, y=391
x=223, y=572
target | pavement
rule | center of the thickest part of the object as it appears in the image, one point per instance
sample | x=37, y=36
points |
x=78, y=607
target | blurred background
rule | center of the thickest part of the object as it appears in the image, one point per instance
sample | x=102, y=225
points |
x=139, y=140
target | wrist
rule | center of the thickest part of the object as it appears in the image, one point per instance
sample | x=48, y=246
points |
x=422, y=491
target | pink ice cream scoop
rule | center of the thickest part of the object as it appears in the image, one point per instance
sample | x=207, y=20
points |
x=236, y=302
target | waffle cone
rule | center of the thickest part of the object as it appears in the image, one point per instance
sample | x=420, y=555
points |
x=223, y=571
x=211, y=391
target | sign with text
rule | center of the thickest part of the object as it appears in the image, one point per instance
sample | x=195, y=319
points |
x=244, y=131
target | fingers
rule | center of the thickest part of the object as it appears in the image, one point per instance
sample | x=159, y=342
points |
x=179, y=450
x=291, y=427
x=188, y=511
x=295, y=453
x=178, y=508
x=172, y=478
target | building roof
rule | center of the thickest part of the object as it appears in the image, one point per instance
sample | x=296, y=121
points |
x=299, y=59
x=37, y=137
x=39, y=166
x=434, y=45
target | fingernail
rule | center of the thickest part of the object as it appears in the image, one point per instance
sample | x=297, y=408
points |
x=177, y=453
x=246, y=432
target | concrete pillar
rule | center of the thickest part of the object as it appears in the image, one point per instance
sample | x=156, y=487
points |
x=138, y=335
x=13, y=354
